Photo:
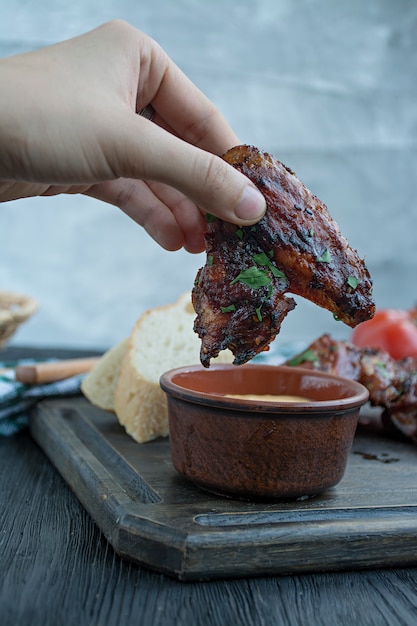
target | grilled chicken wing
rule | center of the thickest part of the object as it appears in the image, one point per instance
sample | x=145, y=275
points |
x=239, y=295
x=392, y=384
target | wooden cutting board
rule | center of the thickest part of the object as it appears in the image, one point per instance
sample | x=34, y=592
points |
x=155, y=518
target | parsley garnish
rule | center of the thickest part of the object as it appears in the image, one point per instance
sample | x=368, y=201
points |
x=210, y=260
x=307, y=355
x=228, y=309
x=353, y=282
x=210, y=217
x=258, y=310
x=326, y=257
x=262, y=259
x=253, y=277
x=239, y=234
x=277, y=273
x=256, y=277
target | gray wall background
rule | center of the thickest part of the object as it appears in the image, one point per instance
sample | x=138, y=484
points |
x=329, y=87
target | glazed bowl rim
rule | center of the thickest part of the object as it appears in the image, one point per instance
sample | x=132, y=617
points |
x=359, y=396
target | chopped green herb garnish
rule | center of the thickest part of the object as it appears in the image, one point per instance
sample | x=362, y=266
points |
x=307, y=355
x=353, y=282
x=210, y=217
x=311, y=232
x=268, y=295
x=336, y=317
x=253, y=229
x=210, y=260
x=228, y=309
x=262, y=259
x=253, y=277
x=326, y=257
x=239, y=233
x=270, y=254
x=277, y=273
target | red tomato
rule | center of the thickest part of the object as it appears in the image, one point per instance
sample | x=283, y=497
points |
x=392, y=330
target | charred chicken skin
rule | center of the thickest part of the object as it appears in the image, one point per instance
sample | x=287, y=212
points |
x=240, y=294
x=392, y=384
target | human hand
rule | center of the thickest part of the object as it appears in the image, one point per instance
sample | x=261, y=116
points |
x=69, y=124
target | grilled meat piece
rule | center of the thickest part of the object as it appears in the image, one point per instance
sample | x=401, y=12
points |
x=374, y=368
x=239, y=295
x=401, y=415
x=392, y=384
x=242, y=314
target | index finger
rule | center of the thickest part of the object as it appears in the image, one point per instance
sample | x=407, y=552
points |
x=184, y=108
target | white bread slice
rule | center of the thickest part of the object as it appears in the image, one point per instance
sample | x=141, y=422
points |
x=162, y=338
x=99, y=384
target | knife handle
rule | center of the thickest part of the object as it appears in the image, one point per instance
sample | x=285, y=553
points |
x=39, y=373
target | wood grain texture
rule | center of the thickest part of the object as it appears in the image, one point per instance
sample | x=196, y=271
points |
x=56, y=568
x=154, y=517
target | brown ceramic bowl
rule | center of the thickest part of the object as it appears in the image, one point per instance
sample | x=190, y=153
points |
x=257, y=449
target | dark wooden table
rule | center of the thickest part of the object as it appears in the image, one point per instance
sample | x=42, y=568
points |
x=57, y=569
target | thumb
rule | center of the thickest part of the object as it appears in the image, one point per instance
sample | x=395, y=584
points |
x=151, y=153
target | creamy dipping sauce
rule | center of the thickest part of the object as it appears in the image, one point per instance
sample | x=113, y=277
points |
x=267, y=397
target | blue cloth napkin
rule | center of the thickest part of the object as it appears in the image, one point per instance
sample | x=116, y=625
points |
x=16, y=399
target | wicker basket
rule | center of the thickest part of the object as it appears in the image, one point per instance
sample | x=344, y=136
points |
x=14, y=310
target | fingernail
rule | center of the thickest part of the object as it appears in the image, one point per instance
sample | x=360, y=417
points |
x=251, y=205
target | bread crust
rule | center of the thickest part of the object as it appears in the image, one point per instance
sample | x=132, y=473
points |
x=140, y=404
x=162, y=338
x=100, y=383
x=126, y=379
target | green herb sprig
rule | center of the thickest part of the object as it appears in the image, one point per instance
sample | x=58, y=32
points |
x=228, y=309
x=326, y=257
x=258, y=276
x=258, y=310
x=253, y=277
x=263, y=260
x=307, y=355
x=353, y=282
